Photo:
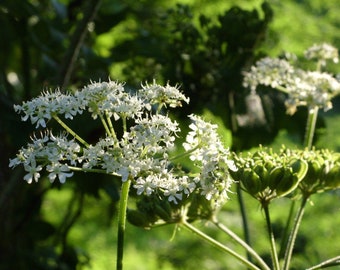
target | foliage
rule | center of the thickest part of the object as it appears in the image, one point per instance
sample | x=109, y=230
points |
x=206, y=58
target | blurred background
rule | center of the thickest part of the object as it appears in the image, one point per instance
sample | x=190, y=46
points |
x=202, y=45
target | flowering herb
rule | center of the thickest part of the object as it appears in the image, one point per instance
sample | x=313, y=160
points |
x=143, y=151
x=141, y=156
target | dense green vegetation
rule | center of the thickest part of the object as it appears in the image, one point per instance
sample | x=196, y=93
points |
x=202, y=45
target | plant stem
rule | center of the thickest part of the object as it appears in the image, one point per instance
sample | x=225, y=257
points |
x=69, y=130
x=293, y=234
x=107, y=130
x=185, y=154
x=310, y=127
x=122, y=222
x=244, y=216
x=102, y=171
x=113, y=133
x=284, y=240
x=219, y=245
x=329, y=263
x=250, y=251
x=275, y=259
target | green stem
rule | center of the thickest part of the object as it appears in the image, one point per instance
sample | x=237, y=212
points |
x=185, y=154
x=113, y=133
x=310, y=128
x=124, y=123
x=319, y=66
x=293, y=234
x=69, y=130
x=284, y=240
x=244, y=216
x=282, y=89
x=122, y=222
x=329, y=263
x=160, y=106
x=107, y=130
x=78, y=169
x=218, y=245
x=275, y=259
x=243, y=244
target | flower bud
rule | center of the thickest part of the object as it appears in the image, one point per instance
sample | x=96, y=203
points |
x=262, y=172
x=137, y=218
x=332, y=178
x=162, y=213
x=287, y=184
x=251, y=182
x=275, y=177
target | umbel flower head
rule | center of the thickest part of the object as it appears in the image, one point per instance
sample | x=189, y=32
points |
x=322, y=53
x=141, y=154
x=304, y=88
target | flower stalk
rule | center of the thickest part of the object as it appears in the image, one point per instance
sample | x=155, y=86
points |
x=293, y=234
x=220, y=246
x=69, y=130
x=122, y=223
x=310, y=127
x=275, y=259
x=248, y=248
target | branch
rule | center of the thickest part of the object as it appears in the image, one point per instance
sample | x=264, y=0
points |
x=77, y=40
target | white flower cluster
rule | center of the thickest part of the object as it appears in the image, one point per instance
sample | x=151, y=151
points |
x=322, y=52
x=41, y=109
x=268, y=71
x=304, y=88
x=312, y=88
x=212, y=159
x=51, y=151
x=140, y=154
x=158, y=94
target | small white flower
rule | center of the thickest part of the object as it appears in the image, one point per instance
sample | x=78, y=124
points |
x=13, y=162
x=58, y=170
x=146, y=185
x=172, y=192
x=33, y=172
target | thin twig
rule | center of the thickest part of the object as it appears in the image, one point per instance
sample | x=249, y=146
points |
x=90, y=10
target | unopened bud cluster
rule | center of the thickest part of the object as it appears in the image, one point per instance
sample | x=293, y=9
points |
x=267, y=175
x=323, y=171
